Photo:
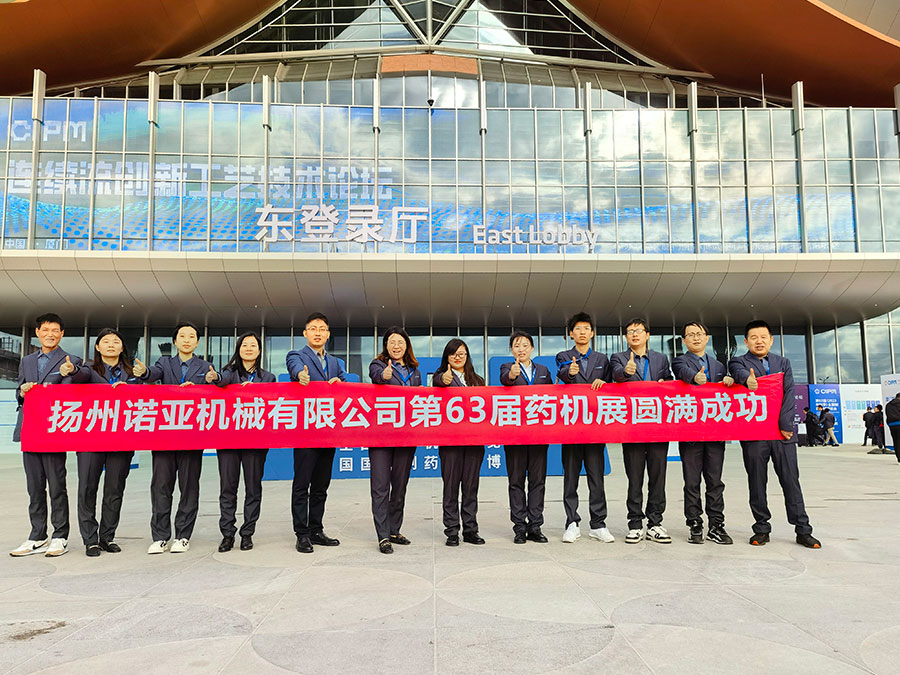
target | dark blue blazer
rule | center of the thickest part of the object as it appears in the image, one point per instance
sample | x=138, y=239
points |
x=232, y=376
x=659, y=367
x=437, y=380
x=740, y=367
x=376, y=368
x=28, y=372
x=307, y=357
x=688, y=365
x=87, y=375
x=167, y=370
x=594, y=366
x=541, y=375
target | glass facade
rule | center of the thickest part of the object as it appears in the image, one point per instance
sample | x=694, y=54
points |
x=405, y=177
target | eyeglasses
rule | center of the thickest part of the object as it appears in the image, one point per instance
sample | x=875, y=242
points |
x=693, y=336
x=317, y=330
x=634, y=331
x=460, y=355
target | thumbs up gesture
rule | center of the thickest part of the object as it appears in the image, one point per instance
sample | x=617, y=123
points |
x=752, y=383
x=447, y=377
x=303, y=377
x=67, y=368
x=631, y=366
x=700, y=377
x=139, y=369
x=515, y=371
x=574, y=369
x=211, y=375
x=387, y=373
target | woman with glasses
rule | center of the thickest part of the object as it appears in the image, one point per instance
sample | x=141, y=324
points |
x=389, y=467
x=460, y=465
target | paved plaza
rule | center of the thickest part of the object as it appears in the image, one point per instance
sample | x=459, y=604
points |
x=585, y=607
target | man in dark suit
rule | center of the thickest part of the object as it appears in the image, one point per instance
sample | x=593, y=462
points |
x=525, y=512
x=867, y=421
x=312, y=466
x=582, y=365
x=184, y=369
x=702, y=458
x=45, y=470
x=759, y=360
x=637, y=364
x=813, y=428
x=892, y=420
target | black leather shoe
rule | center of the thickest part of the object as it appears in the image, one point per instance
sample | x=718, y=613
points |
x=808, y=541
x=304, y=545
x=519, y=538
x=226, y=545
x=452, y=540
x=472, y=538
x=536, y=535
x=759, y=539
x=399, y=539
x=92, y=550
x=322, y=539
x=385, y=546
x=110, y=547
x=246, y=543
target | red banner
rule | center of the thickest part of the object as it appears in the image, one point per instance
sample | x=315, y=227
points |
x=91, y=417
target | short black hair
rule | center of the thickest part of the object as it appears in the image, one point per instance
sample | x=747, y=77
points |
x=693, y=323
x=49, y=317
x=806, y=409
x=638, y=322
x=518, y=334
x=878, y=407
x=184, y=324
x=756, y=323
x=580, y=317
x=316, y=316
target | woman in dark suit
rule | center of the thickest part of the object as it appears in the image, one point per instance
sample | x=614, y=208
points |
x=243, y=369
x=111, y=366
x=389, y=467
x=460, y=465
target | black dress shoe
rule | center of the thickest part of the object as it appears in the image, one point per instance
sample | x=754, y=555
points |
x=385, y=546
x=536, y=535
x=519, y=538
x=808, y=541
x=399, y=539
x=759, y=539
x=322, y=539
x=304, y=545
x=472, y=538
x=452, y=540
x=226, y=545
x=246, y=542
x=92, y=550
x=110, y=547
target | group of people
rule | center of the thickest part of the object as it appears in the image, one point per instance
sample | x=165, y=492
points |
x=396, y=365
x=820, y=427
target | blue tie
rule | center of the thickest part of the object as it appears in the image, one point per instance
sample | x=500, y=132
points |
x=184, y=369
x=43, y=362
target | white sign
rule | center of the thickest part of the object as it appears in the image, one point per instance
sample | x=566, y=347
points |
x=855, y=398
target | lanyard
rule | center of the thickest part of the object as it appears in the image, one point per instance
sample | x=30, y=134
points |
x=184, y=369
x=765, y=362
x=115, y=374
x=409, y=374
x=583, y=357
x=704, y=361
x=529, y=380
x=251, y=376
x=646, y=366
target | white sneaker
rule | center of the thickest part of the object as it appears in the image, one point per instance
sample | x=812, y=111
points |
x=658, y=534
x=158, y=546
x=572, y=533
x=602, y=534
x=57, y=547
x=179, y=546
x=634, y=536
x=30, y=547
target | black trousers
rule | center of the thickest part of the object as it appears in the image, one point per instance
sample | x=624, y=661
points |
x=526, y=510
x=869, y=433
x=90, y=467
x=591, y=456
x=388, y=477
x=652, y=457
x=461, y=468
x=47, y=471
x=784, y=459
x=312, y=476
x=168, y=465
x=230, y=464
x=878, y=437
x=703, y=459
x=895, y=435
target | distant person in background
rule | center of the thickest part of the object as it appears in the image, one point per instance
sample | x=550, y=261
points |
x=878, y=427
x=892, y=417
x=867, y=421
x=813, y=428
x=828, y=426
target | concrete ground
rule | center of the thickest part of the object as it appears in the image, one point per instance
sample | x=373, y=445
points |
x=500, y=608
